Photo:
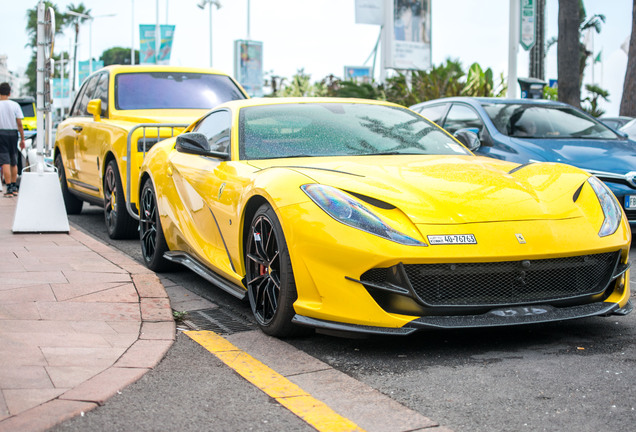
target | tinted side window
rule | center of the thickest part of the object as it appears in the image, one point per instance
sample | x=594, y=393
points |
x=86, y=96
x=434, y=112
x=101, y=92
x=80, y=95
x=460, y=117
x=216, y=127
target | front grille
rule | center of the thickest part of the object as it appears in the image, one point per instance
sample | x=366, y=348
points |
x=631, y=215
x=503, y=283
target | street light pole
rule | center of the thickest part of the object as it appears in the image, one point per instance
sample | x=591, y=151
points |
x=201, y=6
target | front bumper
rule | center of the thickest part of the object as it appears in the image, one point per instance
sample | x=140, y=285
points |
x=535, y=314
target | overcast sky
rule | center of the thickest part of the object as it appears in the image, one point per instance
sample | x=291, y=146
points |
x=319, y=35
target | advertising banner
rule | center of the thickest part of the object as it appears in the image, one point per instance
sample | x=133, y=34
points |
x=61, y=88
x=147, y=44
x=248, y=66
x=527, y=36
x=370, y=12
x=83, y=69
x=358, y=73
x=147, y=54
x=410, y=47
x=167, y=36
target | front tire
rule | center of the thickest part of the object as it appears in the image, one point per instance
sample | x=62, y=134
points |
x=153, y=242
x=119, y=224
x=71, y=202
x=270, y=279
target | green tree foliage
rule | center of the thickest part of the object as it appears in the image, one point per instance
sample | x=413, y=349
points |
x=118, y=55
x=31, y=29
x=596, y=92
x=76, y=21
x=444, y=80
x=481, y=83
x=300, y=85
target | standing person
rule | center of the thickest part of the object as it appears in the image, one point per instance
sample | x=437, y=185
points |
x=10, y=124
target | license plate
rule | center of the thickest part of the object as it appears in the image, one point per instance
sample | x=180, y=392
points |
x=630, y=201
x=452, y=239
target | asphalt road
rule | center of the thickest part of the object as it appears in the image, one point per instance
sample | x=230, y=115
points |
x=576, y=375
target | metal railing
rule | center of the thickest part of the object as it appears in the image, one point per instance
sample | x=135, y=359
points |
x=144, y=127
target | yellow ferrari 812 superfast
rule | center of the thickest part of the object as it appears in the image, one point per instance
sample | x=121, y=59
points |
x=363, y=216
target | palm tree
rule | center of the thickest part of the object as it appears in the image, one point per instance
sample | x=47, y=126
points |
x=76, y=21
x=32, y=29
x=568, y=52
x=628, y=102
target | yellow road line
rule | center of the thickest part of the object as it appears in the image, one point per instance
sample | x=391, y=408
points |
x=288, y=394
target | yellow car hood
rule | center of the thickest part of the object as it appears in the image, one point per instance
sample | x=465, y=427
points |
x=450, y=189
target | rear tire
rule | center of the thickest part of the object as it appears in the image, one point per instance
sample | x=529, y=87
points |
x=153, y=242
x=119, y=224
x=71, y=202
x=270, y=279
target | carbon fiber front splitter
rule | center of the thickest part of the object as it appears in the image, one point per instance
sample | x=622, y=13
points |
x=495, y=318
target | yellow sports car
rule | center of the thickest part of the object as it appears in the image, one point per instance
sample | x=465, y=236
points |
x=363, y=216
x=115, y=119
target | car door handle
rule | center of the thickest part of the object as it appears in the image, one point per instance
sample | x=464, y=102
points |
x=78, y=128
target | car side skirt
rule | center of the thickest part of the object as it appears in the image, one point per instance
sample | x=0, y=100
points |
x=495, y=318
x=190, y=262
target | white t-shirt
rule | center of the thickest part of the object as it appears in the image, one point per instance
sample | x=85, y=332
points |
x=9, y=111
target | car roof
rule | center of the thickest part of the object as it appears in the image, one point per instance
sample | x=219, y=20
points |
x=242, y=103
x=492, y=100
x=159, y=68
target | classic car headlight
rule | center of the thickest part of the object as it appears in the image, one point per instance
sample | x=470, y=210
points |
x=611, y=208
x=348, y=211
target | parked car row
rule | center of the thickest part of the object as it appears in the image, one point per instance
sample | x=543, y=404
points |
x=529, y=130
x=354, y=215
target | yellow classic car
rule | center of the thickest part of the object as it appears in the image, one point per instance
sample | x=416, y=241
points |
x=353, y=215
x=115, y=119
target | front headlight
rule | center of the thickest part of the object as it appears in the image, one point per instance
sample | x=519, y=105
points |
x=611, y=209
x=343, y=208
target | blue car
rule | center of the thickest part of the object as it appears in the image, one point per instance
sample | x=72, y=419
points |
x=532, y=130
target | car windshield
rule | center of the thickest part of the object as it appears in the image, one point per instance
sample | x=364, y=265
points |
x=630, y=129
x=338, y=129
x=27, y=109
x=541, y=121
x=173, y=90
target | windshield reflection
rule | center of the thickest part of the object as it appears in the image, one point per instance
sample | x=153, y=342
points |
x=553, y=122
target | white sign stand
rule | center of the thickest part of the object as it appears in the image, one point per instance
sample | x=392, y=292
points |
x=40, y=205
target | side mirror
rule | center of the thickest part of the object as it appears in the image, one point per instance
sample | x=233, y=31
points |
x=469, y=138
x=198, y=144
x=95, y=108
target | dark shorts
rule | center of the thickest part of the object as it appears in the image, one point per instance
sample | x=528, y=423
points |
x=8, y=147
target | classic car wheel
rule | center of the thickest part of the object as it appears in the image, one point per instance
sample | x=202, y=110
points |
x=71, y=202
x=270, y=280
x=153, y=242
x=119, y=223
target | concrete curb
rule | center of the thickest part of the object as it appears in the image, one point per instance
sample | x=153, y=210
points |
x=156, y=336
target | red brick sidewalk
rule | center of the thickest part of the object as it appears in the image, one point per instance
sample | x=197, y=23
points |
x=79, y=321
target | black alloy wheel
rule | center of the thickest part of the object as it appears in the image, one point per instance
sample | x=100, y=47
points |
x=153, y=242
x=72, y=204
x=270, y=279
x=119, y=224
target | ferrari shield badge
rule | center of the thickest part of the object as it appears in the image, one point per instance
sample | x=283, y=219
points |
x=520, y=238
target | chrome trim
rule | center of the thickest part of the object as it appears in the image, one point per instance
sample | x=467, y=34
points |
x=83, y=185
x=128, y=159
x=629, y=177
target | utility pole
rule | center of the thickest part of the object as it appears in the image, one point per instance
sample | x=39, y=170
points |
x=513, y=47
x=537, y=52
